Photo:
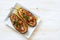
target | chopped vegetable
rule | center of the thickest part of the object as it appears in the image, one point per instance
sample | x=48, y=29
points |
x=19, y=26
x=25, y=16
x=16, y=22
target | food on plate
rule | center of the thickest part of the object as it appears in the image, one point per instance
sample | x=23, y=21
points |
x=27, y=16
x=18, y=23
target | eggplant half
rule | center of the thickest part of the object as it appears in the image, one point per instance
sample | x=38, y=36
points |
x=27, y=16
x=18, y=24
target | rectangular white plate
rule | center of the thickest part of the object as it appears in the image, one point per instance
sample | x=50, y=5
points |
x=30, y=29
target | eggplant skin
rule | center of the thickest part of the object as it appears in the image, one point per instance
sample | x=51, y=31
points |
x=18, y=24
x=27, y=16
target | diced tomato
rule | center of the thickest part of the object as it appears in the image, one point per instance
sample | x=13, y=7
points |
x=20, y=22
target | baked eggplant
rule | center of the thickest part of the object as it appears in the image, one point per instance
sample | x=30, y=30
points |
x=27, y=16
x=18, y=24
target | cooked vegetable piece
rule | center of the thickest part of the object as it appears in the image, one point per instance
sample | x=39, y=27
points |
x=18, y=24
x=28, y=17
x=25, y=16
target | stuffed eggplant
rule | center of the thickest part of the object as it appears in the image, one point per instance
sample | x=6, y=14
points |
x=28, y=17
x=18, y=24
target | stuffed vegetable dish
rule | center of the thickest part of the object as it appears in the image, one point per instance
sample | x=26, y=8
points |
x=18, y=24
x=27, y=16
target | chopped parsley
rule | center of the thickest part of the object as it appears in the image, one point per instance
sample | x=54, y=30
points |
x=17, y=23
x=25, y=16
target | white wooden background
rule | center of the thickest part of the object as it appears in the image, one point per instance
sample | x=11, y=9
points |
x=49, y=12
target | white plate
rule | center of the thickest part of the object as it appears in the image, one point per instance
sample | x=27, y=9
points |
x=30, y=29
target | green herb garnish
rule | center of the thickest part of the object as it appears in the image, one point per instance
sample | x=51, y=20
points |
x=16, y=22
x=25, y=16
x=19, y=26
